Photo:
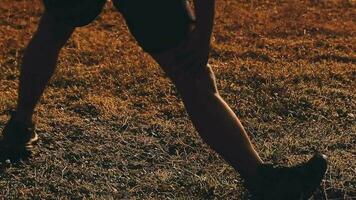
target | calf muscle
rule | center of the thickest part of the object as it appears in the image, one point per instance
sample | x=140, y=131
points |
x=214, y=120
x=39, y=63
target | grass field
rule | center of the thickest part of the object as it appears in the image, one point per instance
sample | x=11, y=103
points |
x=113, y=127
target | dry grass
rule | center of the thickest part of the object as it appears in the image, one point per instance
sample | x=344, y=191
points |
x=112, y=126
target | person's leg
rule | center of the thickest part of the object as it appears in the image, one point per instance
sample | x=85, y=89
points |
x=222, y=130
x=214, y=120
x=39, y=63
x=157, y=30
x=154, y=25
x=216, y=123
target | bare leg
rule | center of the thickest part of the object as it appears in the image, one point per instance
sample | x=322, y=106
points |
x=212, y=117
x=39, y=63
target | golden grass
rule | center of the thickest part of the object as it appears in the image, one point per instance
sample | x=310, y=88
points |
x=113, y=126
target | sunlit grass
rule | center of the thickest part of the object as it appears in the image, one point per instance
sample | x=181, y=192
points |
x=113, y=126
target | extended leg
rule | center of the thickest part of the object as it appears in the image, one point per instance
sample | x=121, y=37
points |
x=214, y=120
x=222, y=130
x=39, y=63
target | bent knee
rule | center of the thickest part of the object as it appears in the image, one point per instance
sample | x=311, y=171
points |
x=200, y=82
x=186, y=80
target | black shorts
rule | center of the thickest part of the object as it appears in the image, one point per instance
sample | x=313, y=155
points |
x=157, y=25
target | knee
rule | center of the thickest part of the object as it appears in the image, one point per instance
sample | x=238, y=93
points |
x=201, y=82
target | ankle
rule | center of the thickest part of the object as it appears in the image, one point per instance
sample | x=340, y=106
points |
x=251, y=172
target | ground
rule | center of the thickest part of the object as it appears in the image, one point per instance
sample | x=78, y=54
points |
x=112, y=126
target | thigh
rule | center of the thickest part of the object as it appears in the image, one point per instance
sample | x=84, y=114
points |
x=74, y=12
x=157, y=25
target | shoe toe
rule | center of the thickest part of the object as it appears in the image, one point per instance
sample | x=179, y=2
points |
x=318, y=164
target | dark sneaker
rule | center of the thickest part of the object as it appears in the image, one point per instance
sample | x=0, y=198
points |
x=289, y=183
x=17, y=140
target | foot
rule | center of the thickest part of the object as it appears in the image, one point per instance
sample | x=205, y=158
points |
x=17, y=140
x=288, y=183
